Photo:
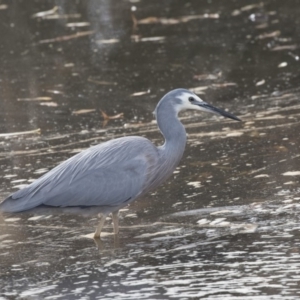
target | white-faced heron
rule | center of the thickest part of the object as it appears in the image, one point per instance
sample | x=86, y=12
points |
x=111, y=175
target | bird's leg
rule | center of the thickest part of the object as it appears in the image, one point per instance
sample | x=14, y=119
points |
x=100, y=225
x=115, y=218
x=116, y=241
x=99, y=244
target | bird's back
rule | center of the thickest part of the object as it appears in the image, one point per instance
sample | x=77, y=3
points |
x=110, y=174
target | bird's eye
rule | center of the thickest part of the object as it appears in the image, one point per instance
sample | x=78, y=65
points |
x=191, y=99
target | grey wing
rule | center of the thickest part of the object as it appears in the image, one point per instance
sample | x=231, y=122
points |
x=106, y=175
x=109, y=186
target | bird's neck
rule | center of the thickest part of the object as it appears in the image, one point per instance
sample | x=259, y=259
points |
x=174, y=134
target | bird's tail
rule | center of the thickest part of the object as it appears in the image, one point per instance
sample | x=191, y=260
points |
x=11, y=205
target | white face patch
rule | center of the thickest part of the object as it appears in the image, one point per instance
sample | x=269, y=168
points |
x=186, y=104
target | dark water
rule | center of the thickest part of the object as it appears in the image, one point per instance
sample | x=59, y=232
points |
x=226, y=226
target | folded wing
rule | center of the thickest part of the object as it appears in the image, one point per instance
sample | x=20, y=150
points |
x=108, y=174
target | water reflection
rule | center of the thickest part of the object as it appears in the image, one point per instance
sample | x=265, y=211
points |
x=226, y=225
x=178, y=259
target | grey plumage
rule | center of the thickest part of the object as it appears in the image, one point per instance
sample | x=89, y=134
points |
x=116, y=172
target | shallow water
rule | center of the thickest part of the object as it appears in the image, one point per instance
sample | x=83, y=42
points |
x=226, y=226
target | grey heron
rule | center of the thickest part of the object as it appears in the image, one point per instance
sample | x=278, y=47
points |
x=111, y=175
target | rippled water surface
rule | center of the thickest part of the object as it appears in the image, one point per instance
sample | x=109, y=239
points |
x=226, y=225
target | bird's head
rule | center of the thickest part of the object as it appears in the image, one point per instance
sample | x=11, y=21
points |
x=183, y=99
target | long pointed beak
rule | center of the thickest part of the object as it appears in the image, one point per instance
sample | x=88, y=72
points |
x=209, y=108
